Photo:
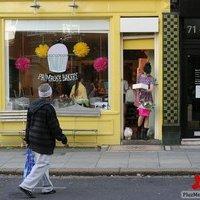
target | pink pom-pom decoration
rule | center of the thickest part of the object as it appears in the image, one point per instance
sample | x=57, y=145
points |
x=22, y=64
x=100, y=64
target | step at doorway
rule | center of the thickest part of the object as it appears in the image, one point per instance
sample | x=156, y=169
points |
x=190, y=141
x=141, y=142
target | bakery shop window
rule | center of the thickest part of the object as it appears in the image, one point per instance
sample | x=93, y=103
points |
x=71, y=55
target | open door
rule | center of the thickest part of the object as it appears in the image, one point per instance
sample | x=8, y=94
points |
x=190, y=100
x=136, y=52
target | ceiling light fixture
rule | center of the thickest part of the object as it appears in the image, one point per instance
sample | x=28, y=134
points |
x=73, y=5
x=36, y=6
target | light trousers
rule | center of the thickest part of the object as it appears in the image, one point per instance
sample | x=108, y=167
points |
x=39, y=172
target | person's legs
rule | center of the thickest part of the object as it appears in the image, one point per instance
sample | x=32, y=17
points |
x=140, y=123
x=46, y=183
x=145, y=128
x=146, y=122
x=41, y=166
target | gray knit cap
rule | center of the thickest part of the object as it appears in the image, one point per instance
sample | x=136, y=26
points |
x=44, y=90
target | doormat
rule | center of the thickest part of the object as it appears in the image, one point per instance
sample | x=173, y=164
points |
x=129, y=148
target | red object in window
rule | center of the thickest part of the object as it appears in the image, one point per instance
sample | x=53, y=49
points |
x=100, y=64
x=196, y=184
x=22, y=64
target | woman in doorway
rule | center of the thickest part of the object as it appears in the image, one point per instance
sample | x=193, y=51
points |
x=145, y=100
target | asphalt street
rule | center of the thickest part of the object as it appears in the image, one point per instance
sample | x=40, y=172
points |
x=103, y=188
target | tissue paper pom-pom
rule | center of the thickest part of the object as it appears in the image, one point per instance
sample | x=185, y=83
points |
x=100, y=64
x=81, y=49
x=41, y=50
x=22, y=64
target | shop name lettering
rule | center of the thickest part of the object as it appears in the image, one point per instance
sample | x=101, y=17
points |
x=58, y=77
x=68, y=28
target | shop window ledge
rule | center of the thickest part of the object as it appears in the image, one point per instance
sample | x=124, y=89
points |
x=77, y=110
x=13, y=116
x=71, y=111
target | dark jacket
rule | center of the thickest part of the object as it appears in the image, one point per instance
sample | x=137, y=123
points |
x=42, y=127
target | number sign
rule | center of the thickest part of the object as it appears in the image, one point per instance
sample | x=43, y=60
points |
x=192, y=28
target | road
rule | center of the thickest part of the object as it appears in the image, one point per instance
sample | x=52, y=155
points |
x=103, y=188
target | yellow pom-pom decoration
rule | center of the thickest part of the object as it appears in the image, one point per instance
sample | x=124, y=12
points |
x=81, y=49
x=41, y=50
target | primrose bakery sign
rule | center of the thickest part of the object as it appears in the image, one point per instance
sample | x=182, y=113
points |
x=57, y=61
x=58, y=77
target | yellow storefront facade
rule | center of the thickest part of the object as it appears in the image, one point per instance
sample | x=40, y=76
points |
x=122, y=25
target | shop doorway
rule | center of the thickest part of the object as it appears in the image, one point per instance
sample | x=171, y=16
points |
x=190, y=97
x=135, y=53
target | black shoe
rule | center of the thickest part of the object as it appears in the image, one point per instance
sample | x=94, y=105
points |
x=139, y=130
x=28, y=193
x=144, y=133
x=50, y=192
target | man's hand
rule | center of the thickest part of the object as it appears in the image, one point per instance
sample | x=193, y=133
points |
x=67, y=145
x=64, y=141
x=26, y=141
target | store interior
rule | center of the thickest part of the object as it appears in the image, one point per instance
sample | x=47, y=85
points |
x=132, y=59
x=23, y=84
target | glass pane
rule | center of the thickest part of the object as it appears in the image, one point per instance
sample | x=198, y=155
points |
x=59, y=63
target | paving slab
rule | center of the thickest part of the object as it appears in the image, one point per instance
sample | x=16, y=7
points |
x=12, y=165
x=196, y=165
x=144, y=155
x=116, y=163
x=78, y=164
x=143, y=165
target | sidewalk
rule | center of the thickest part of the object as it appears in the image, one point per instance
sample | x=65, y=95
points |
x=114, y=161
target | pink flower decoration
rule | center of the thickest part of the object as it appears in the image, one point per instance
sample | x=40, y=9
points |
x=100, y=64
x=22, y=64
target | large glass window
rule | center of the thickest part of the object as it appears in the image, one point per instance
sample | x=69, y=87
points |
x=57, y=52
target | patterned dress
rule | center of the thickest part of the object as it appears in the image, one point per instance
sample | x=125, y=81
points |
x=144, y=95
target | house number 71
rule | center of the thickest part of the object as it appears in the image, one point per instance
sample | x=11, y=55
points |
x=191, y=29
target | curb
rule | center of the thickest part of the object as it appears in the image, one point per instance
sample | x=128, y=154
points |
x=110, y=172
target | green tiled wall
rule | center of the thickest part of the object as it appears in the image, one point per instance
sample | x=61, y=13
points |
x=170, y=69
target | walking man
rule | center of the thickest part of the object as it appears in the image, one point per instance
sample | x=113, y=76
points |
x=42, y=130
